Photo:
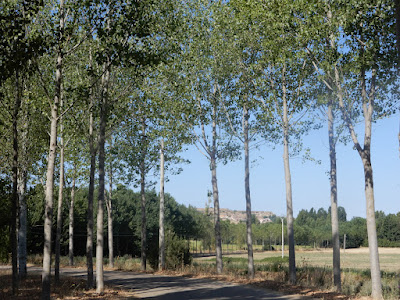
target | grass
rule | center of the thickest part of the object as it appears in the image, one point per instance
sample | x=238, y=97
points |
x=314, y=269
x=197, y=247
x=314, y=272
x=125, y=263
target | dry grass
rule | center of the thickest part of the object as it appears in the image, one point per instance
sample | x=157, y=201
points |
x=69, y=289
x=314, y=273
x=315, y=270
x=357, y=259
x=266, y=280
x=352, y=258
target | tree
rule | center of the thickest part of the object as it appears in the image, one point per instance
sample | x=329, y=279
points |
x=173, y=134
x=139, y=151
x=52, y=156
x=367, y=63
x=204, y=111
x=100, y=200
x=17, y=49
x=92, y=151
x=240, y=104
x=279, y=82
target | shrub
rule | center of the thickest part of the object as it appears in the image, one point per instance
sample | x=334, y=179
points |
x=177, y=252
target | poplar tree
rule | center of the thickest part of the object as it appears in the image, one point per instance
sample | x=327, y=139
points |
x=204, y=70
x=360, y=76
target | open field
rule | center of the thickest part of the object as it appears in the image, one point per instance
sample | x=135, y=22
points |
x=350, y=259
x=353, y=258
x=315, y=269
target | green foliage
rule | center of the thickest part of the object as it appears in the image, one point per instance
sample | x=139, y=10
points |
x=177, y=251
x=182, y=222
x=35, y=207
x=275, y=259
x=313, y=228
x=18, y=45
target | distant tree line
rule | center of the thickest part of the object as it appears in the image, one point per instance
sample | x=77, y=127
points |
x=183, y=223
x=312, y=227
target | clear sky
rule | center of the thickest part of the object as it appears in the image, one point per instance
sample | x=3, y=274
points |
x=310, y=180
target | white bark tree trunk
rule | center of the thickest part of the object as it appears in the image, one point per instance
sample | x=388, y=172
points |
x=14, y=205
x=48, y=217
x=110, y=221
x=161, y=235
x=218, y=241
x=371, y=226
x=22, y=182
x=288, y=184
x=71, y=221
x=213, y=165
x=90, y=221
x=22, y=251
x=100, y=201
x=333, y=185
x=334, y=203
x=60, y=200
x=249, y=236
x=143, y=198
x=365, y=155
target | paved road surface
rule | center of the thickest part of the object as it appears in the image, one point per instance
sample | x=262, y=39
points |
x=149, y=286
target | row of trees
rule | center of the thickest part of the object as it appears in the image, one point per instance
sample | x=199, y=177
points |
x=182, y=223
x=118, y=81
x=313, y=229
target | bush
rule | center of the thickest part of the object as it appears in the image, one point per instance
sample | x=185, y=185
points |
x=177, y=252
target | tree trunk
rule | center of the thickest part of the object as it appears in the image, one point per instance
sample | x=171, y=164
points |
x=213, y=165
x=365, y=155
x=371, y=226
x=71, y=221
x=100, y=201
x=161, y=236
x=334, y=204
x=48, y=217
x=218, y=242
x=22, y=253
x=89, y=225
x=143, y=197
x=249, y=237
x=14, y=206
x=60, y=200
x=110, y=221
x=288, y=183
x=22, y=181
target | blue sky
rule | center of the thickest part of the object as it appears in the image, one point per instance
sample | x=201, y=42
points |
x=310, y=180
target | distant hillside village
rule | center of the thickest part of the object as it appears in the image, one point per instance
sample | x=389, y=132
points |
x=237, y=216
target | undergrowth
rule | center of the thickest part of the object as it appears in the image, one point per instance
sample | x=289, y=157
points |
x=354, y=282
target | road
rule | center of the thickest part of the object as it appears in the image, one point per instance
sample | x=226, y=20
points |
x=163, y=287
